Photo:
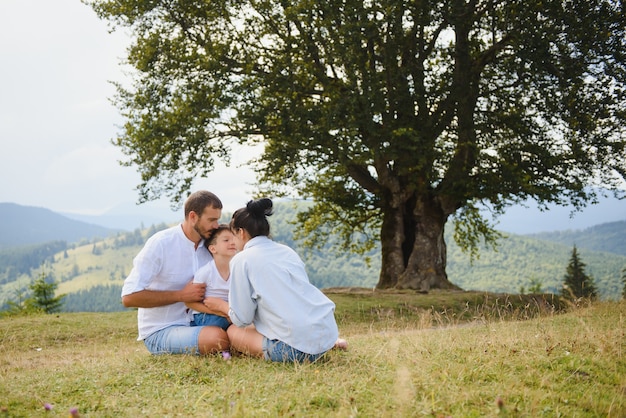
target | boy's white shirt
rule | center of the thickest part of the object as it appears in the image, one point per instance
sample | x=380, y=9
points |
x=216, y=286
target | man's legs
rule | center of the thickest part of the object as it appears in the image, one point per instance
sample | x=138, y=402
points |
x=181, y=339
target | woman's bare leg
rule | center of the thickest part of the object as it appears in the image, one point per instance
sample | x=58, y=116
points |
x=212, y=340
x=246, y=340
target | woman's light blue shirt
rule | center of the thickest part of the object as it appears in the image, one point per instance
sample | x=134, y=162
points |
x=270, y=289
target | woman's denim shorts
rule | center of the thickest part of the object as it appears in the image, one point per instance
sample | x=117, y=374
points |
x=279, y=351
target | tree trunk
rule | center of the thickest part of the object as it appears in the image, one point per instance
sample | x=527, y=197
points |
x=413, y=248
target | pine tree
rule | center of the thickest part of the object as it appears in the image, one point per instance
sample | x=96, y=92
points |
x=624, y=283
x=43, y=298
x=19, y=305
x=577, y=283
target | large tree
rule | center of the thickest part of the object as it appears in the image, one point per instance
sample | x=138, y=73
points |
x=392, y=116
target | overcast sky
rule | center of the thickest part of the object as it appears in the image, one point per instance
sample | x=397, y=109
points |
x=56, y=120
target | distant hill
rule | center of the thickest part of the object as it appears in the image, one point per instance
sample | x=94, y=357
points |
x=96, y=270
x=527, y=218
x=607, y=237
x=26, y=225
x=128, y=216
x=518, y=262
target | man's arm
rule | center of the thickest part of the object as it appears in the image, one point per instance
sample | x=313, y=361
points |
x=192, y=292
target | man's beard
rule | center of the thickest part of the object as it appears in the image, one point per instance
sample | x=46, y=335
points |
x=203, y=236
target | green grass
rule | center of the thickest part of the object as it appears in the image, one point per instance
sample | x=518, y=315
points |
x=443, y=354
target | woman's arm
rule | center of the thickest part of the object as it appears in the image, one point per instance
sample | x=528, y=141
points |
x=242, y=305
x=216, y=306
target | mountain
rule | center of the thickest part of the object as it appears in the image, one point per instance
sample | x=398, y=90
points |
x=520, y=262
x=96, y=270
x=129, y=216
x=25, y=225
x=526, y=218
x=607, y=237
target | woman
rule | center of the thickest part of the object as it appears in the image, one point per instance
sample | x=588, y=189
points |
x=213, y=311
x=292, y=320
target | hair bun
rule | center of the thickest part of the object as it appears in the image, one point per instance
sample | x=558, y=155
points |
x=260, y=207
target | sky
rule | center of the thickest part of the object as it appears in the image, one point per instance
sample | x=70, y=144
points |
x=57, y=123
x=56, y=118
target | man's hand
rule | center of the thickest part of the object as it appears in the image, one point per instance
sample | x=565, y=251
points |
x=192, y=292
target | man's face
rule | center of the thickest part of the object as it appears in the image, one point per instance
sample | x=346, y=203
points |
x=207, y=221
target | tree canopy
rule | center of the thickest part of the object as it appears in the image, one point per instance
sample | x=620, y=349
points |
x=391, y=116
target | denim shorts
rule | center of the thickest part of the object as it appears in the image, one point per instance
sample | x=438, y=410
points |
x=175, y=339
x=279, y=351
x=209, y=320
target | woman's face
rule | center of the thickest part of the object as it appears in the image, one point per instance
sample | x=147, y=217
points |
x=240, y=238
x=224, y=244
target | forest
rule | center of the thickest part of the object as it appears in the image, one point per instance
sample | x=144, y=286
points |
x=91, y=274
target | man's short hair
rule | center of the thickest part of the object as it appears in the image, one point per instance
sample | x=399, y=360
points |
x=200, y=200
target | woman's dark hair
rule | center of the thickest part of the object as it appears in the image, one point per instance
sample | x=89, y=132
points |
x=213, y=234
x=253, y=218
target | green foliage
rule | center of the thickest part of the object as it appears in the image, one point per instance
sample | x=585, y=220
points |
x=470, y=227
x=90, y=274
x=43, y=298
x=16, y=261
x=535, y=286
x=18, y=305
x=388, y=115
x=100, y=298
x=577, y=283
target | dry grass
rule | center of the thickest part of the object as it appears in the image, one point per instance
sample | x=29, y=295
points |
x=422, y=364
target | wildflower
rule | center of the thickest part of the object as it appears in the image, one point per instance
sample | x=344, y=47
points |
x=47, y=406
x=499, y=403
x=226, y=355
x=74, y=413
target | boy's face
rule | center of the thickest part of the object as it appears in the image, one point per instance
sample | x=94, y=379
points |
x=224, y=244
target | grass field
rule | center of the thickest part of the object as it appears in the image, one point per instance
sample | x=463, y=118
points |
x=444, y=354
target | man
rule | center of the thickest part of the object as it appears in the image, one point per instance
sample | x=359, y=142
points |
x=160, y=282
